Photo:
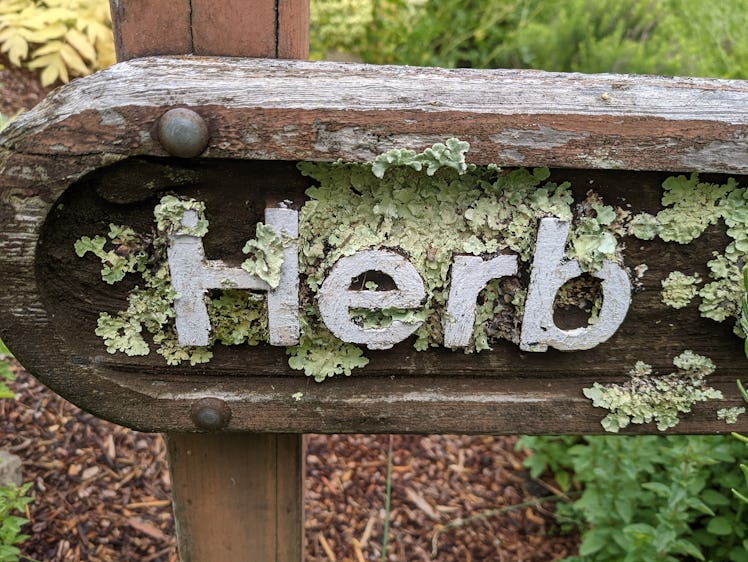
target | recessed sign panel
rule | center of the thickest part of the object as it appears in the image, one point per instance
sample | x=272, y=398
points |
x=419, y=288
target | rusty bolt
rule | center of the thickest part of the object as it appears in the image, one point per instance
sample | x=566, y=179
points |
x=210, y=413
x=183, y=133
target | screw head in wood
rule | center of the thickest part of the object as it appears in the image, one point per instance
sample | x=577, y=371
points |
x=211, y=414
x=183, y=133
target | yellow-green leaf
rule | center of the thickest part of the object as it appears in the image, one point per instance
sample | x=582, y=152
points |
x=73, y=60
x=55, y=31
x=81, y=44
x=54, y=68
x=49, y=48
x=17, y=49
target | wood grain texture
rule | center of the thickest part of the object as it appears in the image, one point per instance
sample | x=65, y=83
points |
x=293, y=29
x=232, y=28
x=90, y=148
x=151, y=27
x=291, y=110
x=235, y=28
x=237, y=496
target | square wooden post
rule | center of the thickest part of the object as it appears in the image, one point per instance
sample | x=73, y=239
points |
x=238, y=497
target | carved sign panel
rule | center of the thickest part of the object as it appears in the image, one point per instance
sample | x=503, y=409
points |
x=415, y=288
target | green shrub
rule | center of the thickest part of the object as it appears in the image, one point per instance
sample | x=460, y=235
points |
x=688, y=37
x=652, y=497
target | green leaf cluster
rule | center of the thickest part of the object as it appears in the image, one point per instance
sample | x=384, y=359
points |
x=61, y=38
x=13, y=499
x=649, y=498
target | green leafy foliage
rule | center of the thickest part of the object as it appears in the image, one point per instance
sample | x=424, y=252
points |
x=13, y=500
x=6, y=376
x=742, y=438
x=649, y=498
x=634, y=36
x=61, y=38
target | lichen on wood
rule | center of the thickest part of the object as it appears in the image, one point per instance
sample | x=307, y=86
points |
x=647, y=397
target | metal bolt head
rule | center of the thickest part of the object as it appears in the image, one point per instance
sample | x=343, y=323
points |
x=183, y=133
x=211, y=414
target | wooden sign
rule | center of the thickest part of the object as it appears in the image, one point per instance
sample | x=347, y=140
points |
x=253, y=245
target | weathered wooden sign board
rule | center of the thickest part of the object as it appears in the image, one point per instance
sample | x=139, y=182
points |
x=496, y=252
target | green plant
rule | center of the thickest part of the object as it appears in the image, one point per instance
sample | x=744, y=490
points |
x=13, y=499
x=640, y=36
x=59, y=37
x=652, y=498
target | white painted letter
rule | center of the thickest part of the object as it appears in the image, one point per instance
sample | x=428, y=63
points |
x=336, y=298
x=192, y=275
x=470, y=274
x=550, y=271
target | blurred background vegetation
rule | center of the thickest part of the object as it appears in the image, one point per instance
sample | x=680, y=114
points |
x=671, y=37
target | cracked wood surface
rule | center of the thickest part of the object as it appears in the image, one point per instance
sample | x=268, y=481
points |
x=291, y=110
x=91, y=146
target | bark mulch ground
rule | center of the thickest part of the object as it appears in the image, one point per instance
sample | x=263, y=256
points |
x=102, y=492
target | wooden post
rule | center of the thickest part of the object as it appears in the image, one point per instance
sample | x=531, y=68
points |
x=237, y=496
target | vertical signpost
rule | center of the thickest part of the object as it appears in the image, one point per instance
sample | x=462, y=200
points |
x=236, y=496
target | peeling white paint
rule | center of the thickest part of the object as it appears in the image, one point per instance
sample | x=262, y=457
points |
x=550, y=270
x=336, y=299
x=470, y=274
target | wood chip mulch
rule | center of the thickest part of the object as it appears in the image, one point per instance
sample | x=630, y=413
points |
x=102, y=492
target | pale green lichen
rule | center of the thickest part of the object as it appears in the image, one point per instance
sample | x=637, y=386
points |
x=690, y=207
x=236, y=316
x=169, y=213
x=448, y=155
x=320, y=354
x=646, y=397
x=126, y=256
x=644, y=226
x=395, y=203
x=730, y=415
x=265, y=255
x=678, y=289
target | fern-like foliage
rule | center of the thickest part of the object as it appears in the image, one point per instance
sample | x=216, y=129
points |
x=60, y=38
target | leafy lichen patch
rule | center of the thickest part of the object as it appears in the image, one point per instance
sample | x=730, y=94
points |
x=265, y=255
x=690, y=206
x=647, y=397
x=730, y=415
x=678, y=289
